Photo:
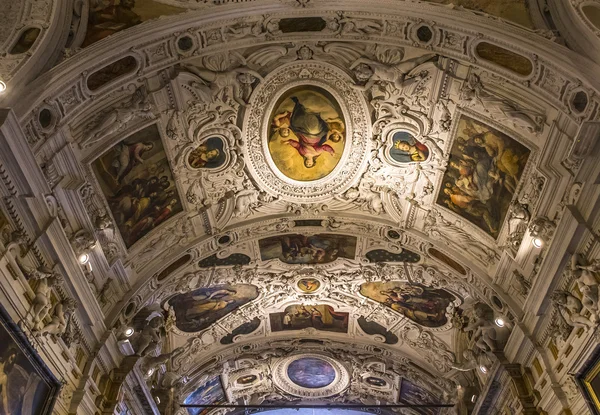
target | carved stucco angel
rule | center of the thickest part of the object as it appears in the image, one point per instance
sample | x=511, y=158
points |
x=58, y=324
x=119, y=117
x=484, y=330
x=473, y=93
x=372, y=72
x=219, y=86
x=587, y=283
x=41, y=303
x=570, y=308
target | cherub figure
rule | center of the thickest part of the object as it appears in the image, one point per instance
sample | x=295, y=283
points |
x=484, y=331
x=149, y=337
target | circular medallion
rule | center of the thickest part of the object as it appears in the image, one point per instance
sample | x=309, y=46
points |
x=311, y=372
x=309, y=285
x=308, y=132
x=246, y=380
x=375, y=381
x=310, y=376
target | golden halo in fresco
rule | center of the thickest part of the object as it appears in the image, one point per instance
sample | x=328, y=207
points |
x=307, y=133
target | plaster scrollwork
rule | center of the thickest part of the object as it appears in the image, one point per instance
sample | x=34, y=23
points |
x=435, y=351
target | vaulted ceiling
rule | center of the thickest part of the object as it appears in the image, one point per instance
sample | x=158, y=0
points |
x=356, y=189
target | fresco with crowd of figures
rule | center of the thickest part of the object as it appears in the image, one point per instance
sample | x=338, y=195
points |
x=483, y=174
x=198, y=309
x=423, y=305
x=307, y=134
x=302, y=249
x=320, y=317
x=136, y=180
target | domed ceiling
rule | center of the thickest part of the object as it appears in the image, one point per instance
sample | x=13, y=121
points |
x=319, y=202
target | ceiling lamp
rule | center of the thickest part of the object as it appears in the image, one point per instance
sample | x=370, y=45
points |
x=129, y=331
x=483, y=369
x=84, y=258
x=500, y=322
x=2, y=87
x=537, y=242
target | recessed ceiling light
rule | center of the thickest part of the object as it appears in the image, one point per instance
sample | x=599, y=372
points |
x=500, y=322
x=537, y=242
x=84, y=258
x=150, y=372
x=2, y=87
x=129, y=331
x=483, y=369
x=473, y=398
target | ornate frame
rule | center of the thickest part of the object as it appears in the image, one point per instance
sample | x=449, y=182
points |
x=24, y=346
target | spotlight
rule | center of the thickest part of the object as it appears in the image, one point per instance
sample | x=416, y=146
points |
x=129, y=331
x=500, y=322
x=84, y=258
x=483, y=369
x=473, y=398
x=537, y=242
x=2, y=87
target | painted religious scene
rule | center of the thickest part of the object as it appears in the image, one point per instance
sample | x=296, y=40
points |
x=311, y=372
x=407, y=149
x=208, y=155
x=483, y=174
x=22, y=388
x=412, y=394
x=211, y=393
x=307, y=133
x=199, y=309
x=423, y=305
x=107, y=18
x=137, y=182
x=320, y=317
x=301, y=249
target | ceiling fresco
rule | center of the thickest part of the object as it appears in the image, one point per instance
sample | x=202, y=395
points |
x=287, y=204
x=307, y=136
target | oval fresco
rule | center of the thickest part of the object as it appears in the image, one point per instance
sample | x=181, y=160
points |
x=309, y=285
x=199, y=309
x=311, y=372
x=407, y=149
x=307, y=133
x=208, y=155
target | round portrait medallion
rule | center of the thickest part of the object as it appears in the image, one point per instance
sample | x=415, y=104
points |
x=311, y=372
x=309, y=285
